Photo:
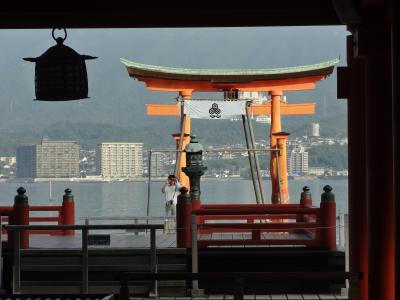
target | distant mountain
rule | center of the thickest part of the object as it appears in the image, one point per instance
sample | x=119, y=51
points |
x=116, y=109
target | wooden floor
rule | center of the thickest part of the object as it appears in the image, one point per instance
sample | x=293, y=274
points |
x=131, y=240
x=254, y=297
x=210, y=297
x=117, y=240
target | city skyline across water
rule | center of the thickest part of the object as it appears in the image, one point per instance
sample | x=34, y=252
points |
x=327, y=154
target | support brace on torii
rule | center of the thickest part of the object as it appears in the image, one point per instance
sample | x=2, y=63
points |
x=274, y=81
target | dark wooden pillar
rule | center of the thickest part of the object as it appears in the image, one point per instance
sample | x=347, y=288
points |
x=351, y=85
x=375, y=48
x=396, y=138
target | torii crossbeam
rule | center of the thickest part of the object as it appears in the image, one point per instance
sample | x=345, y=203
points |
x=274, y=81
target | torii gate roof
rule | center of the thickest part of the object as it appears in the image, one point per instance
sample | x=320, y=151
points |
x=178, y=79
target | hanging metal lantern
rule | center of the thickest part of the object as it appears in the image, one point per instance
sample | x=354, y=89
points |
x=60, y=73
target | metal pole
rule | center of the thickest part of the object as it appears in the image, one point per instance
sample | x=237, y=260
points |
x=246, y=135
x=17, y=262
x=85, y=263
x=256, y=161
x=195, y=266
x=136, y=221
x=341, y=230
x=149, y=186
x=179, y=152
x=278, y=174
x=153, y=258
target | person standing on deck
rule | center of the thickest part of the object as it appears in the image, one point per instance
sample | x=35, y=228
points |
x=171, y=192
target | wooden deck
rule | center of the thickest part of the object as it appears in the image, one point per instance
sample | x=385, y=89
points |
x=255, y=297
x=54, y=263
x=209, y=297
x=117, y=240
x=131, y=240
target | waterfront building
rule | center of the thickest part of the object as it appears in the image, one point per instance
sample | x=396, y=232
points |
x=158, y=164
x=120, y=160
x=319, y=171
x=315, y=129
x=49, y=159
x=298, y=161
x=26, y=161
x=8, y=160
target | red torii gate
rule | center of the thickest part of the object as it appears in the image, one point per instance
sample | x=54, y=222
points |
x=274, y=81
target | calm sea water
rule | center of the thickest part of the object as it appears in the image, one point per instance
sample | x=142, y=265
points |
x=130, y=198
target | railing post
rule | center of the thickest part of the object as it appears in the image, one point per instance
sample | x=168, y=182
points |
x=196, y=292
x=85, y=262
x=305, y=198
x=328, y=219
x=20, y=216
x=153, y=259
x=124, y=289
x=255, y=233
x=17, y=262
x=68, y=211
x=238, y=288
x=305, y=201
x=183, y=219
x=136, y=221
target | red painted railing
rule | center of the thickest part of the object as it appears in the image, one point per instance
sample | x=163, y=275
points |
x=6, y=211
x=255, y=224
x=258, y=225
x=20, y=214
x=56, y=219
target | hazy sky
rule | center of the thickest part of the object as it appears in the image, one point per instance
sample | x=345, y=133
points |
x=118, y=100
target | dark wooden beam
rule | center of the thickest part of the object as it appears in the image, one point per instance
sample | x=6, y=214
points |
x=122, y=15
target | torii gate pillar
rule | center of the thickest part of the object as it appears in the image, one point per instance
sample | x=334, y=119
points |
x=185, y=127
x=280, y=192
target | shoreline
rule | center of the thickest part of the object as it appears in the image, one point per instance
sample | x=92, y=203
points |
x=155, y=179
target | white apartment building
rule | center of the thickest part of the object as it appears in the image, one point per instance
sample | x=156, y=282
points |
x=9, y=160
x=315, y=129
x=298, y=161
x=119, y=160
x=158, y=164
x=49, y=159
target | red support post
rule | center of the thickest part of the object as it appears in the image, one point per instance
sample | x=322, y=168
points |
x=305, y=201
x=305, y=198
x=379, y=166
x=68, y=211
x=351, y=85
x=183, y=219
x=328, y=219
x=20, y=216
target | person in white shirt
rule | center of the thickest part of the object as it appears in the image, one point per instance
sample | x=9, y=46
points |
x=171, y=192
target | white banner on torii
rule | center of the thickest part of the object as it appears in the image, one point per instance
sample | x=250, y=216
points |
x=214, y=110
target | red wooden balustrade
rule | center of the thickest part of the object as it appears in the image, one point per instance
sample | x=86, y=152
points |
x=64, y=215
x=265, y=225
